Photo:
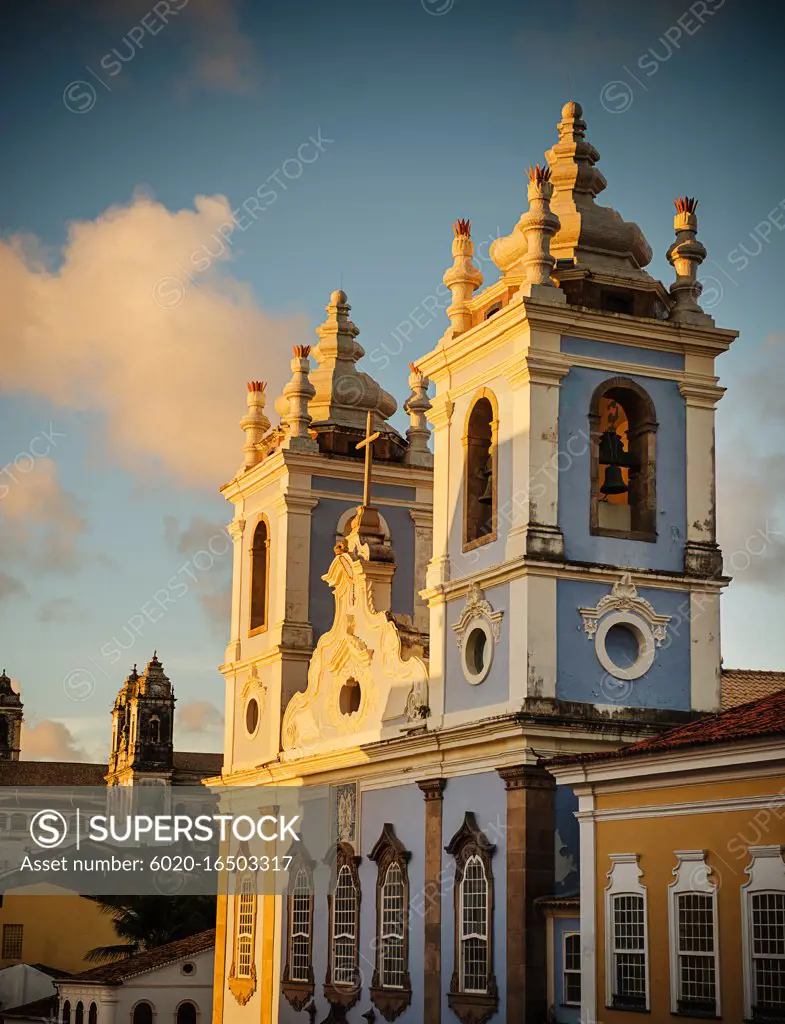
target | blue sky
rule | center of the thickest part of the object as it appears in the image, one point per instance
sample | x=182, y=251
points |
x=363, y=129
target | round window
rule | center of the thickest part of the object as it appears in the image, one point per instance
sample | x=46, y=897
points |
x=625, y=645
x=188, y=968
x=349, y=697
x=252, y=716
x=477, y=652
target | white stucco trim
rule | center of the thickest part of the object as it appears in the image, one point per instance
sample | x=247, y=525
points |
x=624, y=880
x=643, y=634
x=766, y=873
x=586, y=829
x=691, y=875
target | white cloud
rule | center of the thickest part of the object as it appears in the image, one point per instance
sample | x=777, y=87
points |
x=47, y=740
x=199, y=716
x=40, y=523
x=170, y=381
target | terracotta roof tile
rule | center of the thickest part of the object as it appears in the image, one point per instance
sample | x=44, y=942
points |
x=51, y=773
x=741, y=685
x=140, y=963
x=756, y=720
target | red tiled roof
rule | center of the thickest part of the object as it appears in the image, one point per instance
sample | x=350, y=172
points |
x=756, y=720
x=741, y=685
x=140, y=963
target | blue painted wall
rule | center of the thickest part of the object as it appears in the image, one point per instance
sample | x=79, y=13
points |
x=324, y=520
x=667, y=553
x=461, y=695
x=567, y=843
x=581, y=677
x=404, y=807
x=564, y=1014
x=622, y=353
x=484, y=794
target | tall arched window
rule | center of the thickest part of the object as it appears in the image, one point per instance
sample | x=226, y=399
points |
x=66, y=1018
x=298, y=978
x=260, y=573
x=343, y=976
x=92, y=1014
x=391, y=988
x=143, y=1013
x=79, y=1015
x=242, y=976
x=480, y=471
x=473, y=986
x=623, y=469
x=245, y=928
x=186, y=1013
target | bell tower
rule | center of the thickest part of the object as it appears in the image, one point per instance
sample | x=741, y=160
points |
x=575, y=562
x=11, y=717
x=294, y=499
x=142, y=728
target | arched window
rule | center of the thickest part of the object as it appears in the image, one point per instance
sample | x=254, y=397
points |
x=246, y=906
x=143, y=1013
x=79, y=1015
x=473, y=985
x=623, y=471
x=260, y=571
x=344, y=907
x=344, y=929
x=92, y=1014
x=66, y=1018
x=186, y=1013
x=298, y=978
x=391, y=988
x=479, y=484
x=242, y=976
x=155, y=729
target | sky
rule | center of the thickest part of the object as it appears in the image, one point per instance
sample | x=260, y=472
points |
x=184, y=184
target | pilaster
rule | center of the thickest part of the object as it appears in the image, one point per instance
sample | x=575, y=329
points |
x=530, y=875
x=534, y=504
x=433, y=792
x=702, y=555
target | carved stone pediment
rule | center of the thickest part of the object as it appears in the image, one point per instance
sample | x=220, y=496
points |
x=367, y=678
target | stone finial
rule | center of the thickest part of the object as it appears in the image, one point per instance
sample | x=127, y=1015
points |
x=539, y=226
x=418, y=434
x=297, y=394
x=343, y=393
x=589, y=236
x=462, y=278
x=254, y=423
x=685, y=255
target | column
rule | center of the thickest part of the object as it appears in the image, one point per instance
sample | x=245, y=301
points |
x=530, y=848
x=433, y=790
x=702, y=556
x=535, y=381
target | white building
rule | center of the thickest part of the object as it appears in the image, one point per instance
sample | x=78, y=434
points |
x=172, y=984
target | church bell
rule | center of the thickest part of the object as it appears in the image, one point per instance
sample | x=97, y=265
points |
x=614, y=481
x=611, y=449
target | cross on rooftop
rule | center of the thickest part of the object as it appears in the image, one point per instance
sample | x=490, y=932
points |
x=367, y=444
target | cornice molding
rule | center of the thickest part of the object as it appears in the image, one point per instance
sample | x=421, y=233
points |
x=594, y=325
x=507, y=572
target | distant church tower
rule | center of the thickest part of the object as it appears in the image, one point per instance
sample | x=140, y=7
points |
x=11, y=717
x=142, y=727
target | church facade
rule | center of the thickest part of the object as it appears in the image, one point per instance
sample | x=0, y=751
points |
x=421, y=632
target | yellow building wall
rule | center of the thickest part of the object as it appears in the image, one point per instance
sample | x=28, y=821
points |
x=725, y=836
x=58, y=929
